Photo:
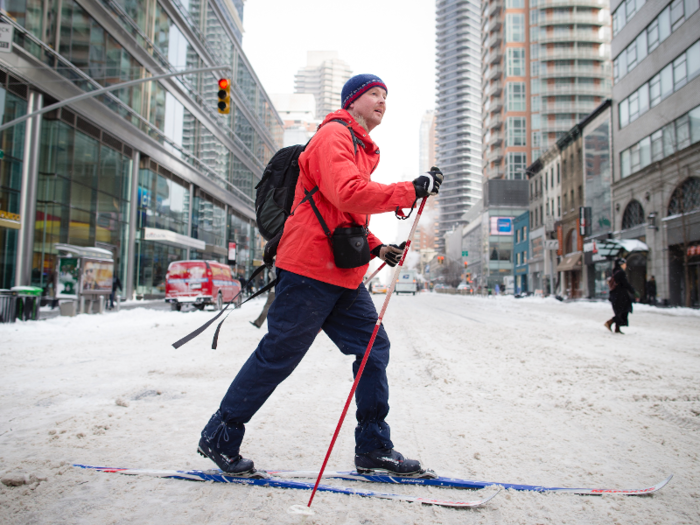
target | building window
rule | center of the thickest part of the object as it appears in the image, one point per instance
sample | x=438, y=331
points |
x=516, y=131
x=676, y=135
x=515, y=62
x=633, y=216
x=671, y=78
x=686, y=197
x=515, y=27
x=515, y=166
x=515, y=96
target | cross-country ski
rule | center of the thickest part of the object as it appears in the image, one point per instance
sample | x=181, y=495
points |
x=216, y=476
x=440, y=481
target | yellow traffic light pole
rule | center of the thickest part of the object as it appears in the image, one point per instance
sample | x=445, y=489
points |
x=106, y=90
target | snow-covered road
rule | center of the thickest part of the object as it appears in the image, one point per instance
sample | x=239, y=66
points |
x=513, y=390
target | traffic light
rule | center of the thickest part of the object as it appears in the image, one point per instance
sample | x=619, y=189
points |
x=465, y=264
x=224, y=105
x=440, y=259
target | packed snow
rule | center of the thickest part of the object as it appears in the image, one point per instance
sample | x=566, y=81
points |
x=528, y=390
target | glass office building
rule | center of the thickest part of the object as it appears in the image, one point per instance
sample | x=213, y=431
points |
x=151, y=172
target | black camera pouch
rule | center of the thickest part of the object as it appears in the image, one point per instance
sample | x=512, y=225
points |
x=350, y=247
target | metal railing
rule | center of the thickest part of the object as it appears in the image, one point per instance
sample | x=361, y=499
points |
x=571, y=3
x=572, y=36
x=573, y=54
x=575, y=71
x=494, y=88
x=494, y=154
x=573, y=107
x=575, y=89
x=573, y=18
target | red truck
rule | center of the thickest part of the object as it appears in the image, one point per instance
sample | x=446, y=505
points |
x=200, y=283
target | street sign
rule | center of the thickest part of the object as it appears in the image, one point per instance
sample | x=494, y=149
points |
x=465, y=254
x=6, y=32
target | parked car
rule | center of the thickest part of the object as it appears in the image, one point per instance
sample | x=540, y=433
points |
x=378, y=287
x=464, y=288
x=200, y=283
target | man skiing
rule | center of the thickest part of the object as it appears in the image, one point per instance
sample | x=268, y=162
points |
x=317, y=292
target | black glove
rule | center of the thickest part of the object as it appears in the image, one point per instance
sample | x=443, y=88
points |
x=390, y=254
x=428, y=184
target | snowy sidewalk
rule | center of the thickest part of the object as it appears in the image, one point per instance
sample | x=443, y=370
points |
x=530, y=390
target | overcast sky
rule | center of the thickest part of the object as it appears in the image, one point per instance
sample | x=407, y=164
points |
x=392, y=39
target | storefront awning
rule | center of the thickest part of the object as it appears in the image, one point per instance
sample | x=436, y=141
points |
x=611, y=248
x=173, y=239
x=633, y=245
x=570, y=262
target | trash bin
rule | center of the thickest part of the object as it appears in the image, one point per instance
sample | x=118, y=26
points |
x=28, y=298
x=8, y=306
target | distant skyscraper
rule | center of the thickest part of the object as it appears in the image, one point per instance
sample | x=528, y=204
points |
x=323, y=76
x=458, y=125
x=427, y=229
x=426, y=143
x=546, y=66
x=298, y=112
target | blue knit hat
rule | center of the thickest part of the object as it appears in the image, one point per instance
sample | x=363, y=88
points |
x=357, y=85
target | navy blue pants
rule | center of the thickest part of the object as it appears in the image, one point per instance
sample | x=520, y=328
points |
x=301, y=308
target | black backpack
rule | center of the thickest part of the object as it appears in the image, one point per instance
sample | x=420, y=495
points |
x=274, y=194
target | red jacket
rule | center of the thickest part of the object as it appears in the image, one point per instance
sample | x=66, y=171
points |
x=346, y=196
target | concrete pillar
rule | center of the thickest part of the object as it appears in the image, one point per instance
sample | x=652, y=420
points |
x=133, y=210
x=190, y=214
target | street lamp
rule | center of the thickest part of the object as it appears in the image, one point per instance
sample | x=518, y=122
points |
x=651, y=221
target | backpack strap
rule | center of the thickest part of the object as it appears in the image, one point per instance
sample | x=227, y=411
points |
x=355, y=140
x=309, y=195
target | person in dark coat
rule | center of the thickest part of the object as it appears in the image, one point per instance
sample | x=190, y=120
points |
x=651, y=291
x=621, y=293
x=116, y=285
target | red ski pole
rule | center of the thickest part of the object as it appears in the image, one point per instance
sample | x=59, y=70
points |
x=369, y=348
x=375, y=273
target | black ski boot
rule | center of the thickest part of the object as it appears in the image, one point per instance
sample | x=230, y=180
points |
x=387, y=461
x=237, y=466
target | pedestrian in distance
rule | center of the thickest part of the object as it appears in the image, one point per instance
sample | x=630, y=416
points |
x=116, y=285
x=319, y=289
x=621, y=294
x=651, y=291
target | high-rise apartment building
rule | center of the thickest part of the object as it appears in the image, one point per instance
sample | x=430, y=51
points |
x=546, y=65
x=424, y=239
x=324, y=77
x=656, y=133
x=458, y=110
x=152, y=173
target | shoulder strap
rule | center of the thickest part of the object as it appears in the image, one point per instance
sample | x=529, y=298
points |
x=309, y=195
x=355, y=140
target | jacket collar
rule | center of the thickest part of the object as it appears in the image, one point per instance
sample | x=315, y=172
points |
x=360, y=132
